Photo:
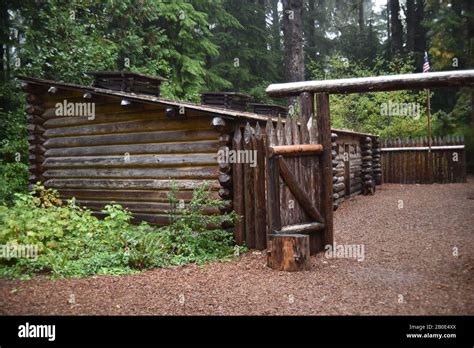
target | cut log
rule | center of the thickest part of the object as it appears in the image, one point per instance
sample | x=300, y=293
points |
x=289, y=252
x=306, y=149
x=305, y=228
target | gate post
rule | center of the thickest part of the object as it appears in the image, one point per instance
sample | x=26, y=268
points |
x=325, y=163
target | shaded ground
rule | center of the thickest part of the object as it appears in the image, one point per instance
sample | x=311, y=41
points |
x=408, y=252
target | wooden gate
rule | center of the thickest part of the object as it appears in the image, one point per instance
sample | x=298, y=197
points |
x=299, y=176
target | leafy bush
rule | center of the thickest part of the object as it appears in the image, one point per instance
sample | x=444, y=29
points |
x=73, y=243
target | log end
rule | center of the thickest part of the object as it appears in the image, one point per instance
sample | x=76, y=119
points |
x=288, y=252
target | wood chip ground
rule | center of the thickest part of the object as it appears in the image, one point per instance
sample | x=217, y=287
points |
x=408, y=256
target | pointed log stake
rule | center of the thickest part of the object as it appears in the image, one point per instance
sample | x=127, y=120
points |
x=270, y=132
x=259, y=187
x=249, y=191
x=238, y=189
x=280, y=132
x=299, y=194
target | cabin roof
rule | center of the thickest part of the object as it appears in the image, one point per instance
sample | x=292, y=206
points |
x=125, y=74
x=145, y=98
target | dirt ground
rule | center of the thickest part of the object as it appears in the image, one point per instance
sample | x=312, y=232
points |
x=408, y=268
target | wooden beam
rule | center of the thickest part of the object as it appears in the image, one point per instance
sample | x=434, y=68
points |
x=299, y=194
x=376, y=84
x=422, y=148
x=301, y=228
x=324, y=128
x=306, y=149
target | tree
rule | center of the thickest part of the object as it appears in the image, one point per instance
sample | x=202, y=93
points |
x=396, y=27
x=293, y=40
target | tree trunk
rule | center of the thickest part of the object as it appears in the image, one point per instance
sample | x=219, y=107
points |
x=420, y=34
x=411, y=25
x=275, y=26
x=293, y=40
x=397, y=28
x=361, y=15
x=311, y=14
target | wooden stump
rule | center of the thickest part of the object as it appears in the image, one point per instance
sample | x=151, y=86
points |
x=288, y=252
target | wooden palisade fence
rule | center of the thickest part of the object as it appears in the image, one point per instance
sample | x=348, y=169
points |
x=410, y=161
x=282, y=199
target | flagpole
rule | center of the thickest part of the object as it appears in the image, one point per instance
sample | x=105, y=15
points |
x=428, y=111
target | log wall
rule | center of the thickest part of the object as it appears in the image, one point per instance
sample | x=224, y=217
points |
x=129, y=154
x=356, y=164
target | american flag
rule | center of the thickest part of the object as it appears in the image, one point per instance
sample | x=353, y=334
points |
x=426, y=63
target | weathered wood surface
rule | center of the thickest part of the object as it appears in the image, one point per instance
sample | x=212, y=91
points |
x=132, y=138
x=305, y=228
x=409, y=161
x=238, y=189
x=206, y=146
x=289, y=252
x=299, y=149
x=324, y=129
x=376, y=84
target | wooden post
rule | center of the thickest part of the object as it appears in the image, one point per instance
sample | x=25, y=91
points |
x=324, y=130
x=249, y=191
x=307, y=136
x=238, y=189
x=289, y=252
x=259, y=187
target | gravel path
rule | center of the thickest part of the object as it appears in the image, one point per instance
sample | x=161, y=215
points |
x=408, y=256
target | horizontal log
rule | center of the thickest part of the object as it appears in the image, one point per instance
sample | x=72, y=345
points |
x=129, y=195
x=305, y=228
x=169, y=173
x=132, y=161
x=376, y=84
x=34, y=109
x=207, y=146
x=225, y=180
x=111, y=107
x=144, y=184
x=133, y=138
x=338, y=187
x=225, y=193
x=423, y=148
x=141, y=207
x=154, y=219
x=218, y=123
x=303, y=149
x=68, y=121
x=126, y=127
x=34, y=99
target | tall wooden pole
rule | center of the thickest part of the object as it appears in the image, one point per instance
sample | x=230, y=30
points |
x=325, y=163
x=428, y=111
x=430, y=157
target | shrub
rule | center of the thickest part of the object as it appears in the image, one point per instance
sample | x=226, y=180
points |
x=73, y=243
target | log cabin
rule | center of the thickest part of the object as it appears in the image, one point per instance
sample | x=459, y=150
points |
x=136, y=144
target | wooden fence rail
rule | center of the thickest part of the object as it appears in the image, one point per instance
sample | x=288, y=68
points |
x=410, y=161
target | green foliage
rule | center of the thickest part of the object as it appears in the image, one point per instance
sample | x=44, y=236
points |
x=365, y=112
x=13, y=143
x=73, y=243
